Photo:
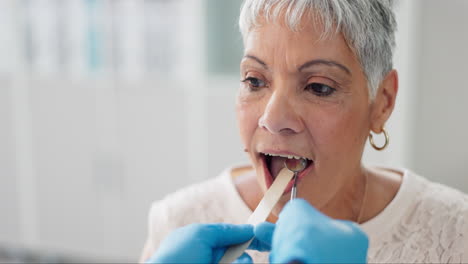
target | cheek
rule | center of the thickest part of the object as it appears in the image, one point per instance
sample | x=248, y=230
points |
x=247, y=120
x=340, y=132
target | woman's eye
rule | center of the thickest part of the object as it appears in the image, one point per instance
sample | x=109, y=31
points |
x=320, y=89
x=254, y=83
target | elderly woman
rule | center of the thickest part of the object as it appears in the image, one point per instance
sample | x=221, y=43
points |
x=316, y=82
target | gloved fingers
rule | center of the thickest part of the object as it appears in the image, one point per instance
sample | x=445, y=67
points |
x=259, y=245
x=264, y=231
x=314, y=238
x=243, y=259
x=221, y=235
x=300, y=210
x=351, y=227
x=263, y=236
x=218, y=254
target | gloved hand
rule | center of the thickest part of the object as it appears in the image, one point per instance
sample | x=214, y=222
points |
x=303, y=234
x=201, y=243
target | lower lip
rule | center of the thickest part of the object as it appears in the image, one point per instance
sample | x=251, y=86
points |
x=269, y=178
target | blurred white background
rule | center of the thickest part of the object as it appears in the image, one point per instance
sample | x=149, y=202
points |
x=108, y=105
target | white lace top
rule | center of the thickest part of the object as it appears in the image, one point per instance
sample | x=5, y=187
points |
x=426, y=222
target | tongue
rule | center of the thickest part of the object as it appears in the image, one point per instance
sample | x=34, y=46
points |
x=277, y=164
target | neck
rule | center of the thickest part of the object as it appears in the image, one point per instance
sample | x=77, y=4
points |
x=349, y=202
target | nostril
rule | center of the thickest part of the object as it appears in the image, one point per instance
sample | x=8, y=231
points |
x=283, y=120
x=287, y=131
x=276, y=127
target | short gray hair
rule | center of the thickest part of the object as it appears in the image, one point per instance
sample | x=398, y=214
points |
x=367, y=25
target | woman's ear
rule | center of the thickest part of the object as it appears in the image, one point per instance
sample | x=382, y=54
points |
x=384, y=101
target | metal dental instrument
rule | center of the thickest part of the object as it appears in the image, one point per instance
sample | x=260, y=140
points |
x=296, y=166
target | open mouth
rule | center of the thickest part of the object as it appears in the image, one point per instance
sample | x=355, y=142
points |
x=274, y=163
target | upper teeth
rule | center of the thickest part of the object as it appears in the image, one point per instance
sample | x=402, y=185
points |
x=284, y=156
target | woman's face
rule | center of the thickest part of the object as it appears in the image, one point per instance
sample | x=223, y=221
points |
x=305, y=97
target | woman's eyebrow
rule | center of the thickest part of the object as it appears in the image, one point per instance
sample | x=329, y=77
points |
x=305, y=65
x=326, y=63
x=248, y=56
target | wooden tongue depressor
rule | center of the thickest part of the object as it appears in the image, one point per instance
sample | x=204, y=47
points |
x=271, y=197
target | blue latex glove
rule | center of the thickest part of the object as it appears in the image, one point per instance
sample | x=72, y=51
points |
x=201, y=243
x=303, y=234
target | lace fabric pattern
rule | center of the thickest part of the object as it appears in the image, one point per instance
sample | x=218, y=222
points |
x=434, y=229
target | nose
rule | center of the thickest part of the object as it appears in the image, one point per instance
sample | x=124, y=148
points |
x=280, y=115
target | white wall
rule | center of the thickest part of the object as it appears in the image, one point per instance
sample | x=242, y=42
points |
x=10, y=227
x=440, y=144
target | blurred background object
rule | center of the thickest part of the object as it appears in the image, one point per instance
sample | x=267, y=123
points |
x=108, y=105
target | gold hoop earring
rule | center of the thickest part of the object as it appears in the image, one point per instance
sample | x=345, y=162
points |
x=371, y=140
